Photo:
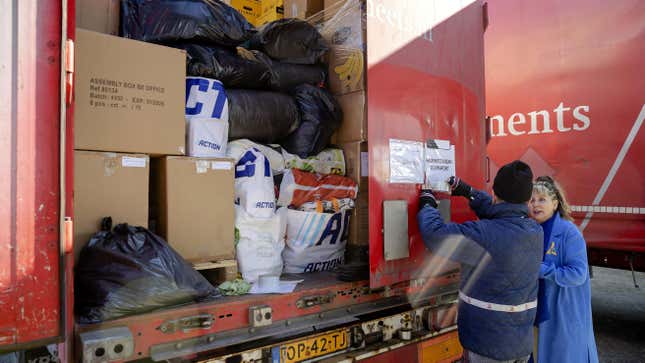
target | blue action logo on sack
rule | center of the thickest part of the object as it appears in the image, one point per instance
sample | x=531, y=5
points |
x=196, y=100
x=323, y=266
x=210, y=145
x=265, y=205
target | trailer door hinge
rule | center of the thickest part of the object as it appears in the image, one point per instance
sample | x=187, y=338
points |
x=69, y=70
x=309, y=301
x=201, y=321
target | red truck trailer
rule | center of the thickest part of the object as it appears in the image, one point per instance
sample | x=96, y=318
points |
x=424, y=80
x=564, y=93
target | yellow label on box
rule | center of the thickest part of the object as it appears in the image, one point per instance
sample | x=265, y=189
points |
x=251, y=9
x=271, y=10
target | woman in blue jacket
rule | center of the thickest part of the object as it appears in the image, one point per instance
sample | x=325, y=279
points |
x=567, y=334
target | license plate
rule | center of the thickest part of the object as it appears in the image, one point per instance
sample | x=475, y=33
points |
x=314, y=347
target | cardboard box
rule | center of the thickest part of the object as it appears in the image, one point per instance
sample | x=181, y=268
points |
x=130, y=96
x=356, y=160
x=302, y=9
x=271, y=10
x=251, y=9
x=354, y=125
x=108, y=185
x=344, y=29
x=193, y=198
x=98, y=15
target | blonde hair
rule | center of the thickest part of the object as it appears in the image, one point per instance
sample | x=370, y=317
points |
x=547, y=186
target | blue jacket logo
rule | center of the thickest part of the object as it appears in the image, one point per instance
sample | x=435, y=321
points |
x=551, y=250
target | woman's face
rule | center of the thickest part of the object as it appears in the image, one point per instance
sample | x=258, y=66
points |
x=542, y=207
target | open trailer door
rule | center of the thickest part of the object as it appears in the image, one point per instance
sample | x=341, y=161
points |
x=425, y=83
x=30, y=180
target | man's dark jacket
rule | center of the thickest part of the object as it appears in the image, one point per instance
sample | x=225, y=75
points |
x=500, y=256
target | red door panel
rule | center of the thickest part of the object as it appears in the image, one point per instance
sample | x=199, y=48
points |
x=30, y=49
x=425, y=81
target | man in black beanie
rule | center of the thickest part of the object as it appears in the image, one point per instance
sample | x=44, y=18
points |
x=500, y=257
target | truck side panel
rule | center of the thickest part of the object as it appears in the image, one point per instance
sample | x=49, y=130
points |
x=565, y=93
x=30, y=51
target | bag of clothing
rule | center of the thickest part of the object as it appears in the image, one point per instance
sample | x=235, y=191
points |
x=290, y=40
x=206, y=117
x=328, y=161
x=286, y=76
x=315, y=241
x=259, y=243
x=274, y=153
x=254, y=188
x=261, y=116
x=131, y=271
x=299, y=187
x=320, y=117
x=227, y=66
x=178, y=21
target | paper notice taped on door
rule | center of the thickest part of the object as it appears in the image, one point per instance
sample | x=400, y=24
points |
x=406, y=161
x=439, y=164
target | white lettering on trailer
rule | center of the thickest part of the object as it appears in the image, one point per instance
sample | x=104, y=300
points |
x=516, y=124
x=614, y=168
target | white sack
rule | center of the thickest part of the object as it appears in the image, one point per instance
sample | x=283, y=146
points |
x=206, y=117
x=260, y=244
x=315, y=241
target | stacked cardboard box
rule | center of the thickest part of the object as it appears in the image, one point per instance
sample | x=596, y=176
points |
x=98, y=15
x=258, y=12
x=193, y=199
x=271, y=10
x=302, y=9
x=130, y=106
x=347, y=83
x=108, y=184
x=251, y=9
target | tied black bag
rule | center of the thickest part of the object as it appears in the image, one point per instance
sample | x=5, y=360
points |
x=320, y=117
x=179, y=21
x=290, y=40
x=226, y=66
x=286, y=76
x=131, y=271
x=261, y=116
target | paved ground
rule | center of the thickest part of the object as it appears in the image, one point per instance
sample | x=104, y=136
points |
x=618, y=315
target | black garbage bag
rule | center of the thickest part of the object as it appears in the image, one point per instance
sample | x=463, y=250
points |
x=226, y=66
x=131, y=271
x=320, y=117
x=261, y=116
x=290, y=40
x=286, y=76
x=173, y=21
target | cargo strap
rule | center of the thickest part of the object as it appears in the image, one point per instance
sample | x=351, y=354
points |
x=498, y=307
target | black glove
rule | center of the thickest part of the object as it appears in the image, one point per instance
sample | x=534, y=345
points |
x=459, y=188
x=427, y=198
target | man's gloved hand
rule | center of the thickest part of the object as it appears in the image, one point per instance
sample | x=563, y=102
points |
x=459, y=187
x=426, y=197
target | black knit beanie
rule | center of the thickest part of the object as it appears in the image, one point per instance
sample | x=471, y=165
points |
x=514, y=182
